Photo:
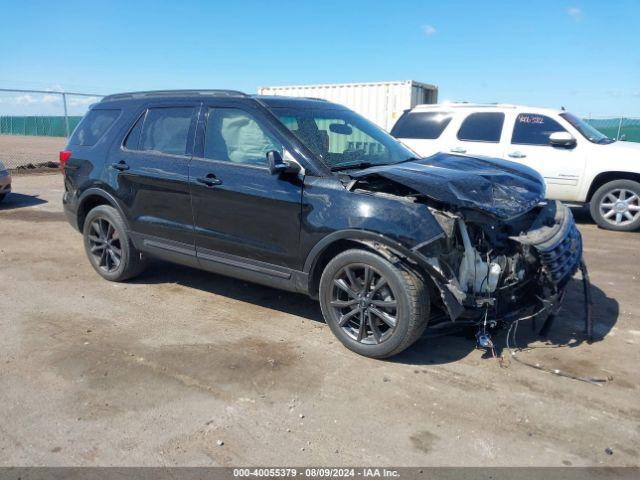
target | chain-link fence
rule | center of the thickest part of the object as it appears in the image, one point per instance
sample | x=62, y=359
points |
x=617, y=128
x=35, y=124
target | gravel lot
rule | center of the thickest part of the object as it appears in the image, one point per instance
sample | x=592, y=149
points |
x=18, y=150
x=160, y=370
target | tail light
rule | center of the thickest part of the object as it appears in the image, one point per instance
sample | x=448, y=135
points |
x=64, y=156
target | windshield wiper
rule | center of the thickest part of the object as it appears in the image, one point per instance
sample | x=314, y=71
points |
x=351, y=166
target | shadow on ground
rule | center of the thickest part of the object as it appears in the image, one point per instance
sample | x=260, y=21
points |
x=432, y=348
x=291, y=303
x=20, y=200
x=567, y=330
x=582, y=215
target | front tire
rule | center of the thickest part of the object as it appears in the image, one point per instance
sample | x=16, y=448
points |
x=616, y=206
x=374, y=307
x=108, y=246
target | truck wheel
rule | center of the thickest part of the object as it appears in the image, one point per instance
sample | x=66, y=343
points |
x=109, y=248
x=374, y=307
x=616, y=205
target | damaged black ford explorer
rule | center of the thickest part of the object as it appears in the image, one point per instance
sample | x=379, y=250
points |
x=307, y=196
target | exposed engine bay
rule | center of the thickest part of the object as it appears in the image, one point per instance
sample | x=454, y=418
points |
x=502, y=258
x=498, y=264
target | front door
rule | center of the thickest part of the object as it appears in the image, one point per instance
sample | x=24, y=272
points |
x=245, y=217
x=561, y=167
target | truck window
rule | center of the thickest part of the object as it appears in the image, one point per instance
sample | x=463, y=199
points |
x=534, y=129
x=166, y=129
x=421, y=125
x=93, y=126
x=482, y=127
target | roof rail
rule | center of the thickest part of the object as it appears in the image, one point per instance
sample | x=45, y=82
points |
x=474, y=104
x=170, y=93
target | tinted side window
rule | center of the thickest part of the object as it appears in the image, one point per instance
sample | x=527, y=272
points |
x=424, y=125
x=93, y=126
x=233, y=135
x=533, y=129
x=166, y=130
x=133, y=139
x=482, y=127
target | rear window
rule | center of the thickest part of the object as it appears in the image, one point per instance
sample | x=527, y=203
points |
x=166, y=130
x=93, y=126
x=421, y=125
x=482, y=127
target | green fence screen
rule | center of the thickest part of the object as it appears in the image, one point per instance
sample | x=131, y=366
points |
x=54, y=126
x=44, y=126
x=617, y=128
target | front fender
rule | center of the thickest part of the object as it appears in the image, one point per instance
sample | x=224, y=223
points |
x=332, y=213
x=328, y=206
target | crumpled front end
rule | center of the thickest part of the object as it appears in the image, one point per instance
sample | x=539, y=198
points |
x=505, y=253
x=504, y=270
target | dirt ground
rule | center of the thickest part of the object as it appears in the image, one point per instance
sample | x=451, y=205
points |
x=160, y=370
x=18, y=150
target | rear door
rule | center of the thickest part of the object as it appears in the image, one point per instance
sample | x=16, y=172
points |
x=561, y=167
x=245, y=217
x=422, y=131
x=479, y=133
x=152, y=169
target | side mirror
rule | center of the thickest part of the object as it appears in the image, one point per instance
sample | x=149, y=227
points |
x=278, y=166
x=562, y=139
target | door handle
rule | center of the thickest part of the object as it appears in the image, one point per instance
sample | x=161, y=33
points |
x=121, y=166
x=458, y=150
x=209, y=181
x=517, y=155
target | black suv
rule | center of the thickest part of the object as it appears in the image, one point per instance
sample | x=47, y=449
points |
x=307, y=196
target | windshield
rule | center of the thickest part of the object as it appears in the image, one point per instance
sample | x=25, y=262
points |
x=589, y=132
x=342, y=138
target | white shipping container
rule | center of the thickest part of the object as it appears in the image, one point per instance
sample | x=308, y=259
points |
x=380, y=102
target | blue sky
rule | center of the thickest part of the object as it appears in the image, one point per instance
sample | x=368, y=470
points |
x=584, y=55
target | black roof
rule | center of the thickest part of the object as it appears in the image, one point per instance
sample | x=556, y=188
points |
x=173, y=93
x=306, y=102
x=268, y=100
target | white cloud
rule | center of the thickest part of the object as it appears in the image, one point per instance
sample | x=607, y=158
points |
x=575, y=13
x=25, y=99
x=75, y=101
x=429, y=30
x=50, y=98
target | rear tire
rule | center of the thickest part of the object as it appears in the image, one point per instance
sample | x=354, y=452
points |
x=616, y=206
x=109, y=247
x=2, y=195
x=374, y=307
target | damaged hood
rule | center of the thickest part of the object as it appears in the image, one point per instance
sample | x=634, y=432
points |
x=498, y=187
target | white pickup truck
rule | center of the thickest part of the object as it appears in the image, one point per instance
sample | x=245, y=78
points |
x=579, y=164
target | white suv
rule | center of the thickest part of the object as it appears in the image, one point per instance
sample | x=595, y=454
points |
x=579, y=164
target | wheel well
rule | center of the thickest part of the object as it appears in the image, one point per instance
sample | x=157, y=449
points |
x=325, y=257
x=88, y=204
x=607, y=177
